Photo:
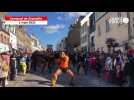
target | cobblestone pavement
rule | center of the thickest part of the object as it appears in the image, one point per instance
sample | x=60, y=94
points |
x=30, y=80
x=43, y=80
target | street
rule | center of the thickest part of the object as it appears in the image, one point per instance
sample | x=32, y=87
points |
x=43, y=80
x=68, y=40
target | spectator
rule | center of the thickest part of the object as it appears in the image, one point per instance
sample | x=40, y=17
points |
x=4, y=70
x=13, y=66
x=28, y=62
x=23, y=63
x=108, y=67
x=129, y=70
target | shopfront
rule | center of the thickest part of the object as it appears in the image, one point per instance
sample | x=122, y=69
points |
x=3, y=48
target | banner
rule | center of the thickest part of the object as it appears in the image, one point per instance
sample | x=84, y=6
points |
x=26, y=20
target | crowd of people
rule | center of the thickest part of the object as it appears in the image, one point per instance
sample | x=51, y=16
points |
x=116, y=67
x=12, y=64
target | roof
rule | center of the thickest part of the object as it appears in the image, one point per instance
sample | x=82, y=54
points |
x=86, y=18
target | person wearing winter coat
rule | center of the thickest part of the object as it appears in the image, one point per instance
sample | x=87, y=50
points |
x=13, y=67
x=129, y=70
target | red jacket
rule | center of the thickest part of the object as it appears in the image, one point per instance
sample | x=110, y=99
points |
x=92, y=60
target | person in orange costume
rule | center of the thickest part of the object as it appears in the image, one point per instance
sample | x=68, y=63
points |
x=63, y=63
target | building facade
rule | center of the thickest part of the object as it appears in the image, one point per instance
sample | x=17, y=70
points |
x=23, y=39
x=58, y=46
x=85, y=32
x=92, y=29
x=4, y=35
x=106, y=30
x=13, y=38
x=131, y=29
x=4, y=38
x=73, y=39
x=62, y=45
x=35, y=44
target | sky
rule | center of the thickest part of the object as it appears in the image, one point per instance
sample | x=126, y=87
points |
x=56, y=29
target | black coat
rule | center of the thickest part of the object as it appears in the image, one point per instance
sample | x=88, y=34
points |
x=129, y=69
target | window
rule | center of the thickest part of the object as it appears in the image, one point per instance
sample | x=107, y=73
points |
x=1, y=18
x=133, y=25
x=82, y=39
x=7, y=28
x=5, y=40
x=85, y=28
x=92, y=23
x=119, y=16
x=133, y=22
x=92, y=41
x=1, y=38
x=3, y=26
x=20, y=26
x=12, y=29
x=85, y=38
x=99, y=30
x=107, y=26
x=82, y=29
